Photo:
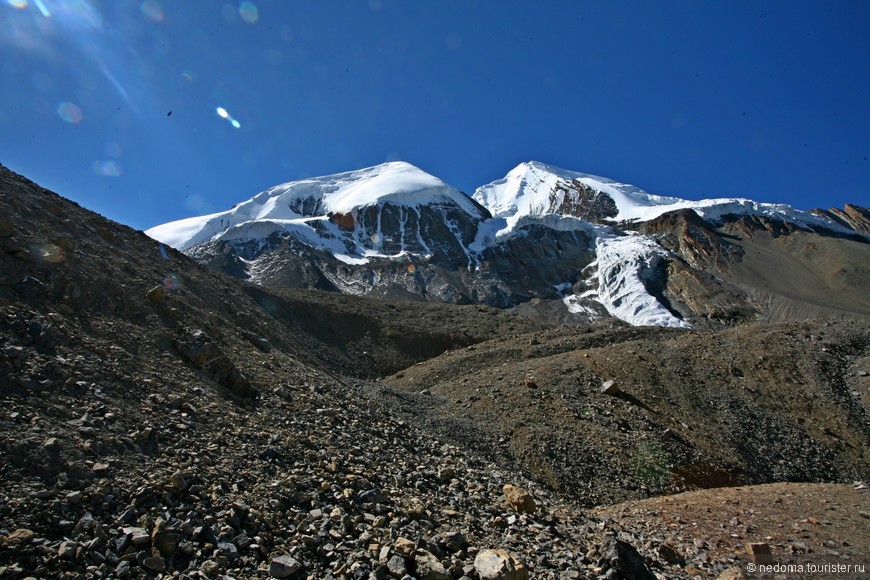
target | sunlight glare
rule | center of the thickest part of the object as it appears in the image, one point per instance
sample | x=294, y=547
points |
x=249, y=13
x=152, y=10
x=17, y=3
x=224, y=114
x=106, y=168
x=43, y=9
x=70, y=112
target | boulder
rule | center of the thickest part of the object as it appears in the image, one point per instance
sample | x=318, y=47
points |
x=519, y=499
x=499, y=565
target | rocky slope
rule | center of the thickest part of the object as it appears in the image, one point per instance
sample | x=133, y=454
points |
x=163, y=419
x=561, y=245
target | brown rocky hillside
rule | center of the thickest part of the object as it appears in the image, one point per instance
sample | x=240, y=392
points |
x=164, y=420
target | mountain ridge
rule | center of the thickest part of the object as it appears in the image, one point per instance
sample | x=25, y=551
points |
x=575, y=240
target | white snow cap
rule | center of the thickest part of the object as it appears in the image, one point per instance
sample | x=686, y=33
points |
x=530, y=189
x=294, y=203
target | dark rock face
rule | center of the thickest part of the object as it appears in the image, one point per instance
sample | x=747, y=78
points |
x=582, y=201
x=523, y=267
x=538, y=260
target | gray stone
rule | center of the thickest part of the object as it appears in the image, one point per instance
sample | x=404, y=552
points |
x=396, y=566
x=67, y=550
x=283, y=567
x=429, y=567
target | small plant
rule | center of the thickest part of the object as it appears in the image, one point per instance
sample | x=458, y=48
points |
x=651, y=466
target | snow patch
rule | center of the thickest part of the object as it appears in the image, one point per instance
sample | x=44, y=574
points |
x=624, y=264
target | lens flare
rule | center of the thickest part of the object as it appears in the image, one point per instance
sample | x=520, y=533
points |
x=411, y=268
x=249, y=13
x=17, y=3
x=152, y=11
x=224, y=114
x=49, y=253
x=70, y=112
x=107, y=168
x=171, y=282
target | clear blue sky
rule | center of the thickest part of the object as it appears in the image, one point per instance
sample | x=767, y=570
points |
x=767, y=100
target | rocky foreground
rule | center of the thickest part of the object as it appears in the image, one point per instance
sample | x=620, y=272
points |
x=162, y=420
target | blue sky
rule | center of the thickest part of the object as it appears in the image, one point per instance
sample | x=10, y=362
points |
x=692, y=99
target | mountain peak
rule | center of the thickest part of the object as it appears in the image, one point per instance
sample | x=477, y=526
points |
x=293, y=204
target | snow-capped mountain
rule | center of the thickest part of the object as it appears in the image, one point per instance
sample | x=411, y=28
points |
x=380, y=211
x=534, y=188
x=592, y=245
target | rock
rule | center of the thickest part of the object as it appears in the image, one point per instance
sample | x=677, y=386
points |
x=519, y=499
x=200, y=350
x=429, y=567
x=499, y=565
x=733, y=573
x=454, y=541
x=67, y=550
x=283, y=567
x=177, y=482
x=156, y=294
x=138, y=536
x=372, y=496
x=20, y=535
x=164, y=540
x=446, y=473
x=669, y=554
x=154, y=563
x=404, y=546
x=760, y=553
x=396, y=566
x=623, y=558
x=210, y=568
x=609, y=388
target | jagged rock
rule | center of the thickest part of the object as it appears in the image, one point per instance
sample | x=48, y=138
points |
x=67, y=550
x=177, y=482
x=201, y=351
x=138, y=536
x=519, y=499
x=396, y=567
x=499, y=565
x=671, y=555
x=760, y=552
x=428, y=567
x=625, y=559
x=404, y=546
x=610, y=388
x=284, y=566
